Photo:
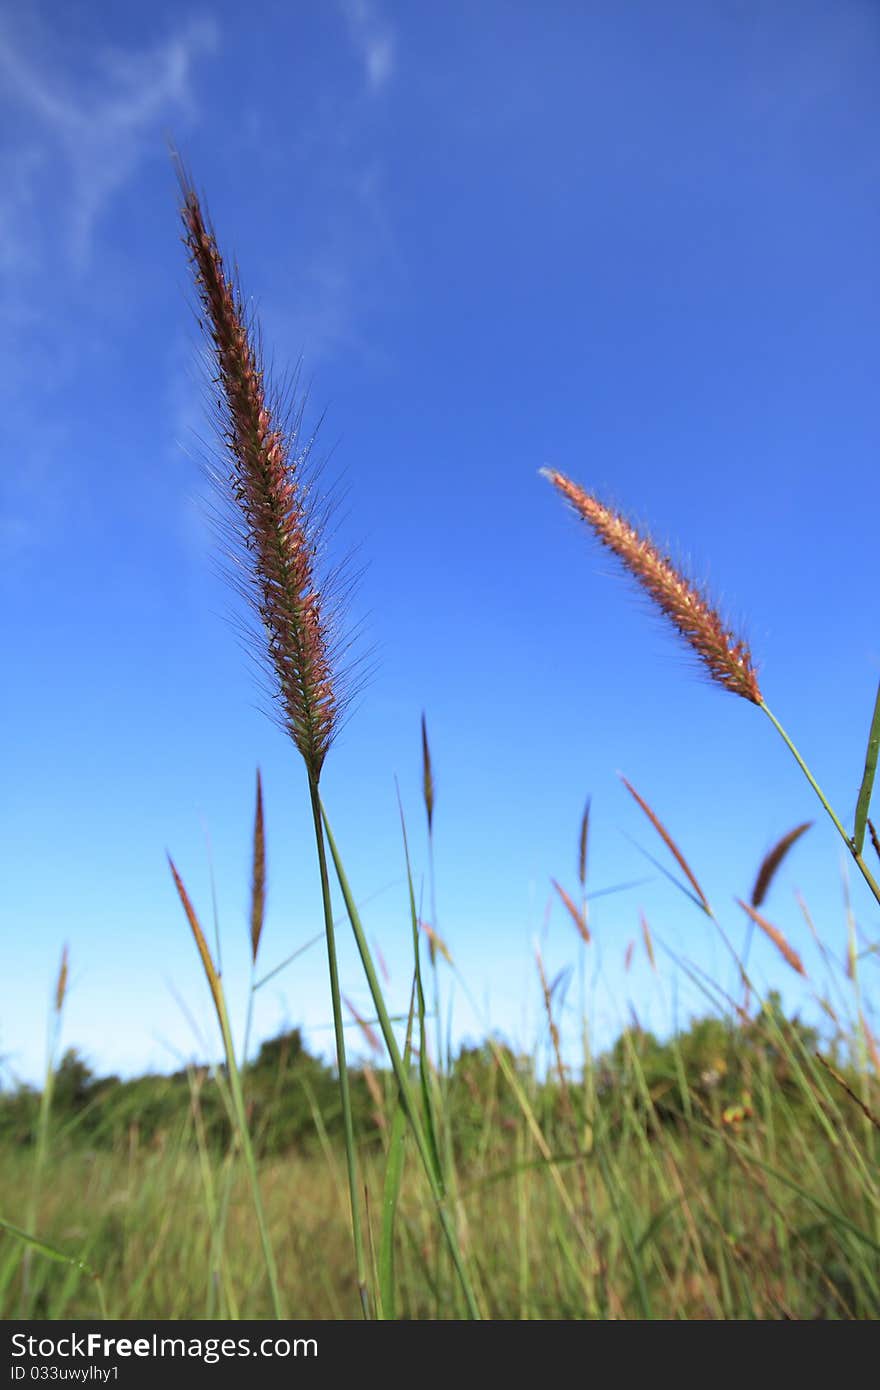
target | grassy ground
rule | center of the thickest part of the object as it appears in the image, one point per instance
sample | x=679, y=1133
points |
x=615, y=1206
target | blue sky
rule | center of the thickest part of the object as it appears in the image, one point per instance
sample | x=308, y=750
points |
x=634, y=243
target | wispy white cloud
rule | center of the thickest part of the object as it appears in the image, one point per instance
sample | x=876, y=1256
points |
x=97, y=124
x=78, y=124
x=373, y=38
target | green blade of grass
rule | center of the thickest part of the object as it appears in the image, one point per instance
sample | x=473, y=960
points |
x=632, y=1248
x=424, y=1065
x=52, y=1252
x=839, y=1218
x=400, y=1072
x=313, y=940
x=239, y=1110
x=391, y=1190
x=867, y=786
x=850, y=843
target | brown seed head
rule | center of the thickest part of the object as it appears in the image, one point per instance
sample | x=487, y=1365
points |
x=582, y=846
x=427, y=777
x=726, y=656
x=258, y=874
x=370, y=1034
x=276, y=527
x=648, y=940
x=435, y=943
x=775, y=935
x=871, y=1043
x=772, y=860
x=671, y=846
x=577, y=914
x=61, y=984
x=208, y=965
x=375, y=1090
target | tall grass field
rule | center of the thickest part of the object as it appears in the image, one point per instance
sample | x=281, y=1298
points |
x=728, y=1171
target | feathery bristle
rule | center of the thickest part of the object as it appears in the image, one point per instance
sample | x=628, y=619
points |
x=726, y=656
x=277, y=526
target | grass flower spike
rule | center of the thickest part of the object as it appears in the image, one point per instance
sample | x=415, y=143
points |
x=726, y=656
x=258, y=874
x=277, y=532
x=275, y=519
